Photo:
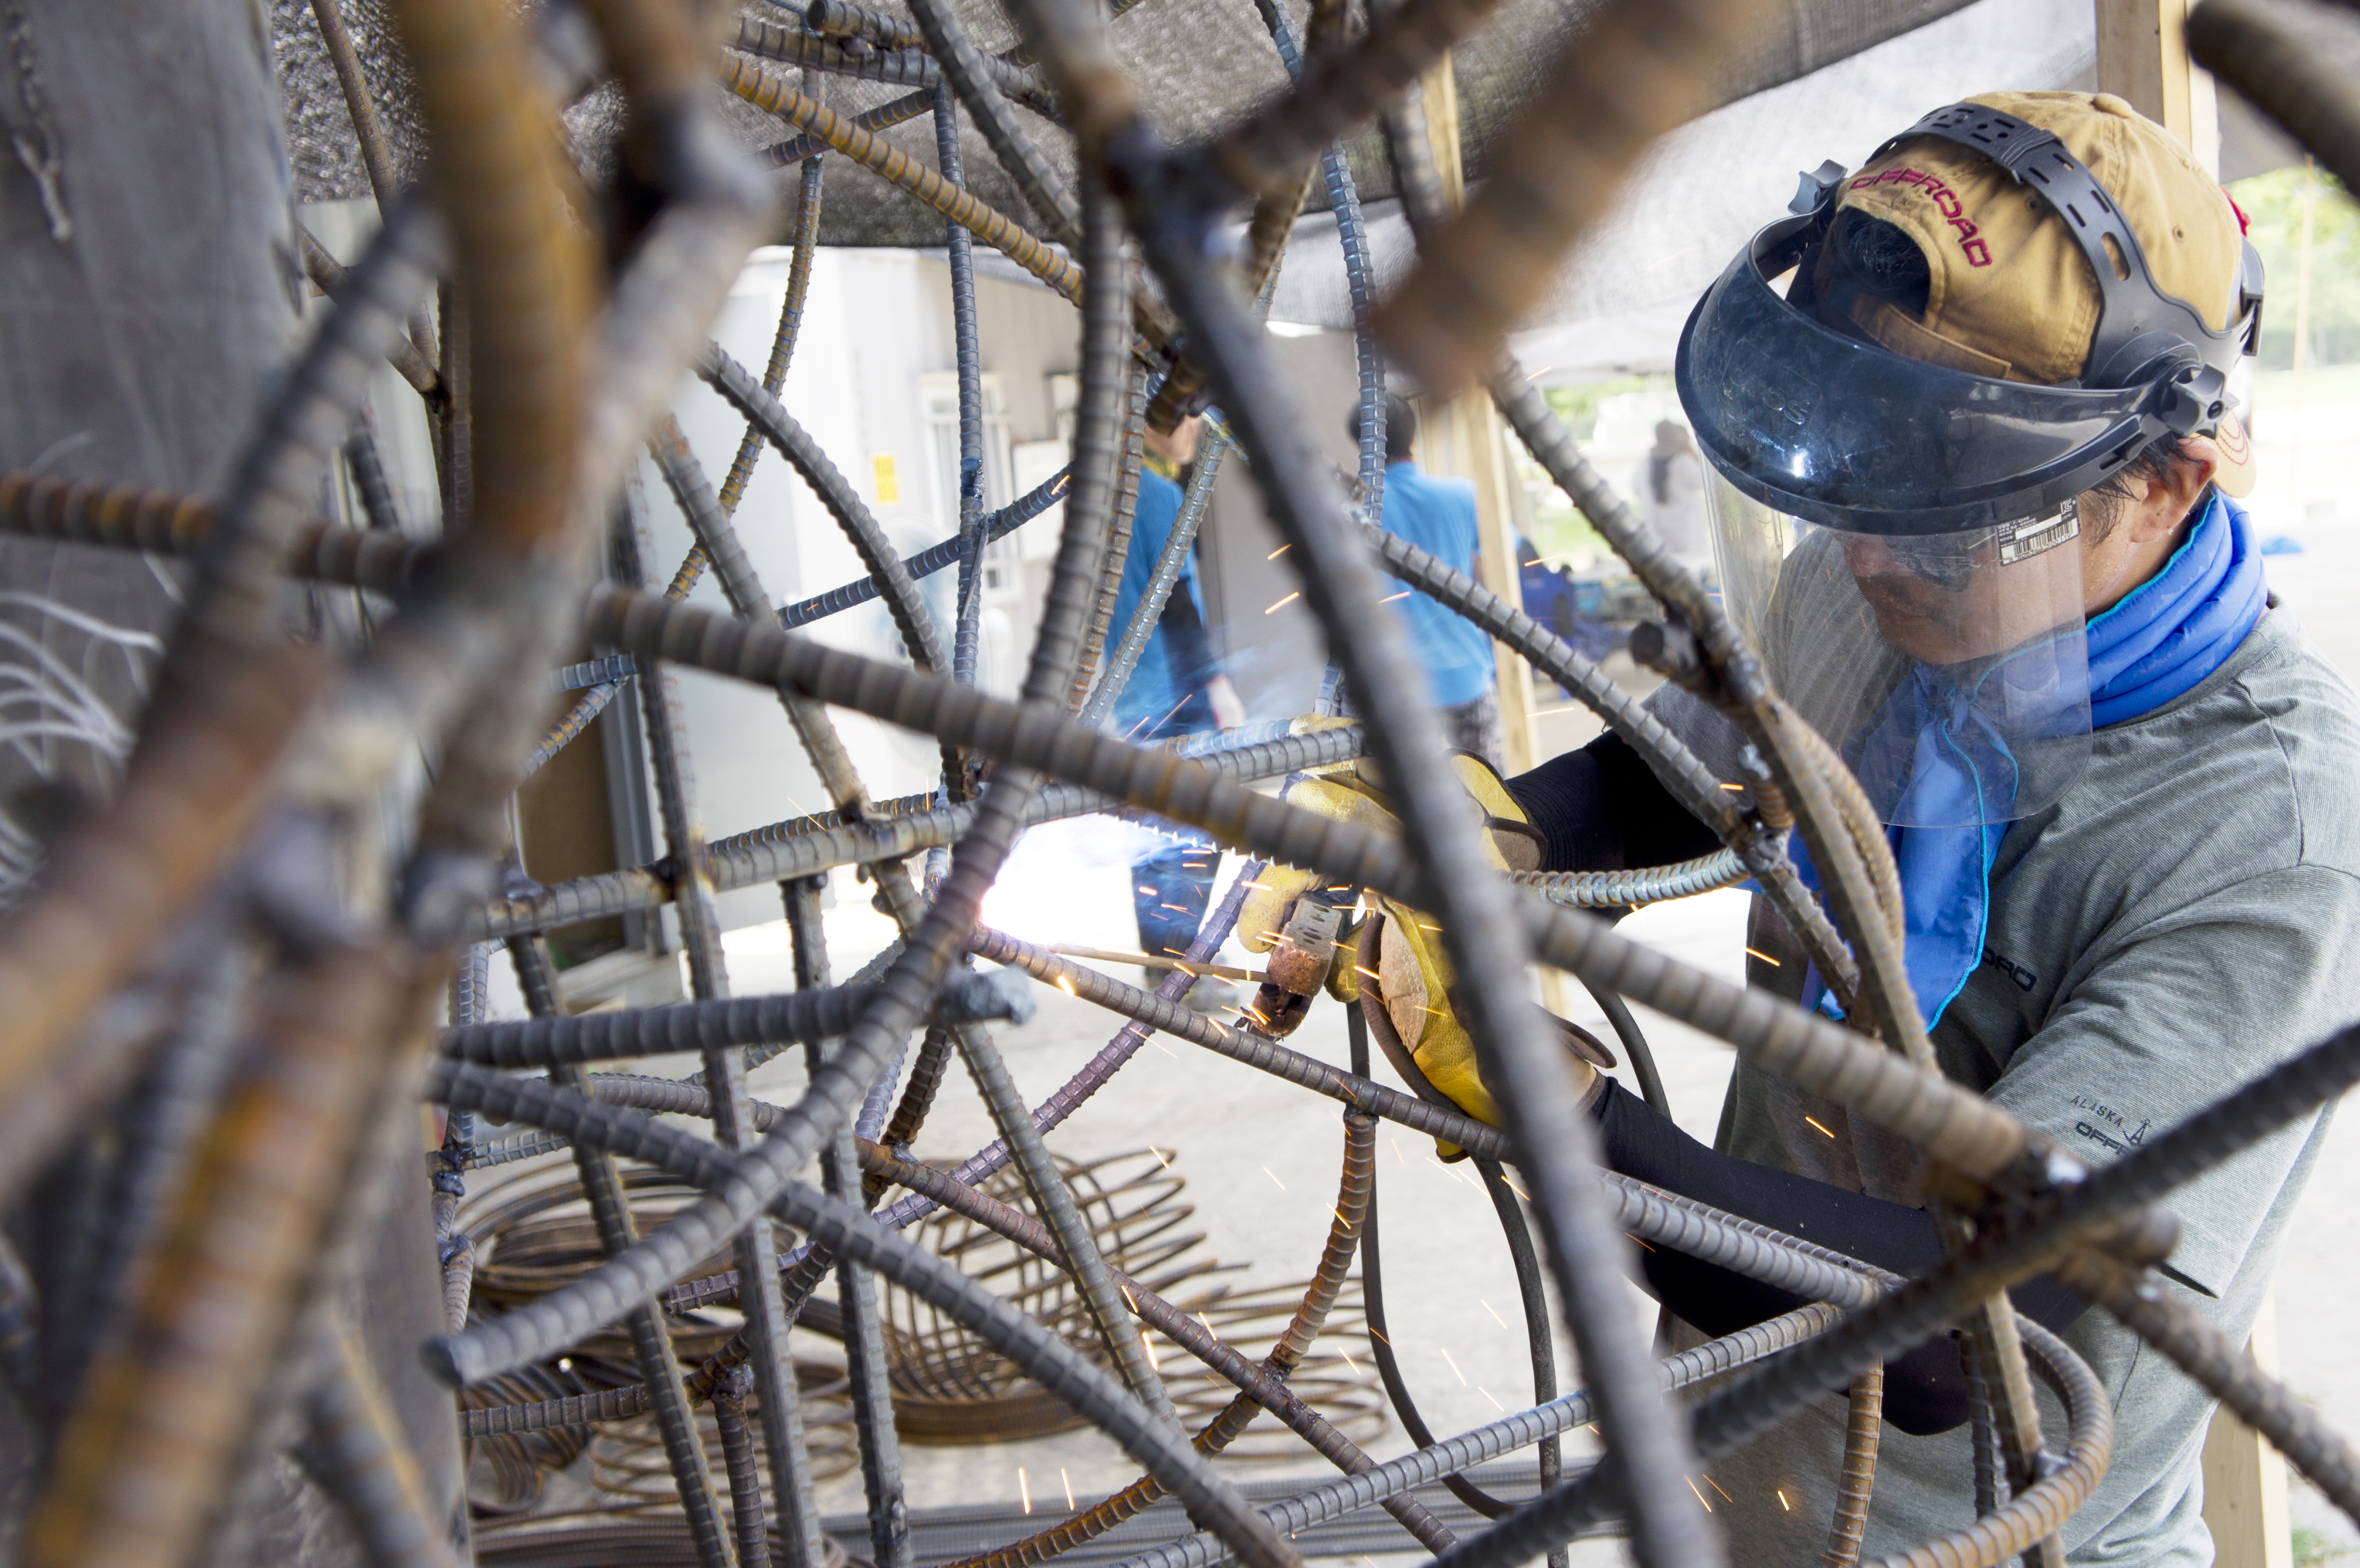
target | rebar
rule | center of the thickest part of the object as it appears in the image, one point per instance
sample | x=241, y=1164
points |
x=226, y=966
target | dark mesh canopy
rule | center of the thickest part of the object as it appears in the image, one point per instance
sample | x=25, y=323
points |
x=1199, y=63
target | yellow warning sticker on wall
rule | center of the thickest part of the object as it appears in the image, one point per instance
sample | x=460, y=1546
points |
x=889, y=478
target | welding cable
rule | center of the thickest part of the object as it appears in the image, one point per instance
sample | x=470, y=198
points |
x=843, y=1230
x=1551, y=175
x=1370, y=1019
x=1426, y=1467
x=1635, y=1046
x=1961, y=1130
x=912, y=617
x=361, y=1457
x=809, y=846
x=969, y=74
x=768, y=91
x=787, y=1018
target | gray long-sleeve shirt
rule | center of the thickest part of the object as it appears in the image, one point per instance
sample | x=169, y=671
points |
x=2184, y=919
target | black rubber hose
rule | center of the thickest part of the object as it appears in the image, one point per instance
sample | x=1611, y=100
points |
x=1635, y=1046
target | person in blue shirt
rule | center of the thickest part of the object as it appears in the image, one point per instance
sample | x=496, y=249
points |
x=1178, y=688
x=1438, y=517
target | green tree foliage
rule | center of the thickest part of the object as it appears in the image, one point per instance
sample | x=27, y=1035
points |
x=2273, y=206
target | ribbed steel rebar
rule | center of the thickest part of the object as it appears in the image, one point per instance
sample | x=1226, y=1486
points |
x=845, y=1231
x=1960, y=1128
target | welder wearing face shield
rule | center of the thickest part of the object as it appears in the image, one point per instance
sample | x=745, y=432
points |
x=1973, y=477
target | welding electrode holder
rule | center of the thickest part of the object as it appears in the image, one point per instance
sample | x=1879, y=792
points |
x=1304, y=960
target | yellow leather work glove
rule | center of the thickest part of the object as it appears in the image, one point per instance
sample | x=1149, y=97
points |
x=1406, y=977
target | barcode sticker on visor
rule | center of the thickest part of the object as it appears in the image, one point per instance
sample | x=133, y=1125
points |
x=2023, y=540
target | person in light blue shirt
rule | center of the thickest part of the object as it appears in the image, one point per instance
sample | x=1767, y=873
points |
x=1177, y=688
x=1438, y=517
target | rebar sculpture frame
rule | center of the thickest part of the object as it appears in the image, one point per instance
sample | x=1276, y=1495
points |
x=546, y=370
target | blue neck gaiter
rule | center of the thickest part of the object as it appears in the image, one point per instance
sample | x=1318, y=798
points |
x=2156, y=643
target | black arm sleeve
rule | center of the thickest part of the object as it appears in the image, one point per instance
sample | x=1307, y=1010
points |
x=1186, y=645
x=1925, y=1389
x=1602, y=809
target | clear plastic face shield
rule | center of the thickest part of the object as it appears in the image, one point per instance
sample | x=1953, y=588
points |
x=1950, y=670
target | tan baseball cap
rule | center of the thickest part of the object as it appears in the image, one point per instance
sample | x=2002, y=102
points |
x=2010, y=293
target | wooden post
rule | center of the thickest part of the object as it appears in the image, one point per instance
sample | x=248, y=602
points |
x=2143, y=58
x=2246, y=1478
x=1464, y=438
